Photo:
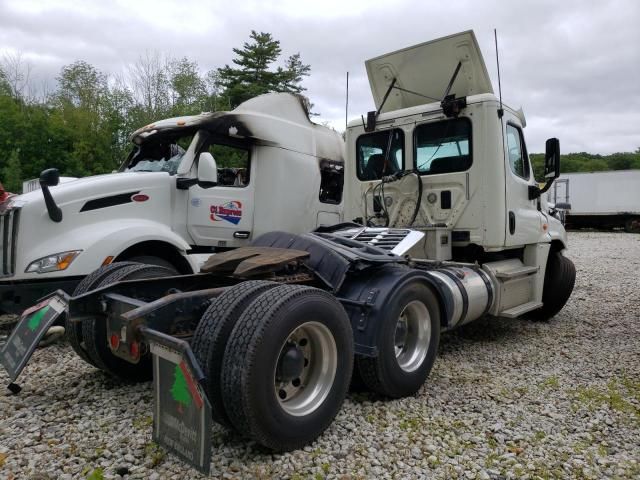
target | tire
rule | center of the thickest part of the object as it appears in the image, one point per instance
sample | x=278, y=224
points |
x=403, y=364
x=212, y=333
x=559, y=280
x=152, y=260
x=94, y=330
x=73, y=331
x=252, y=368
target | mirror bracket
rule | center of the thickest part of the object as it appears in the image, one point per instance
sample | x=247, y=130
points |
x=183, y=183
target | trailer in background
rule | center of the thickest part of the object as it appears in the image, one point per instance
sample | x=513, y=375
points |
x=598, y=199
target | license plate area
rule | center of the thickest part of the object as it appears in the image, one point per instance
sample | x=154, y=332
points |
x=182, y=412
x=25, y=337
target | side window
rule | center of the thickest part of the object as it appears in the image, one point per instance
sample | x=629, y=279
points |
x=331, y=181
x=517, y=152
x=233, y=165
x=443, y=147
x=374, y=162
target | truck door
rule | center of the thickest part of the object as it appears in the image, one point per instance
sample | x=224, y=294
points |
x=222, y=216
x=523, y=220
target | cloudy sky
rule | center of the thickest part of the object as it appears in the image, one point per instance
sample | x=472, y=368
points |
x=574, y=66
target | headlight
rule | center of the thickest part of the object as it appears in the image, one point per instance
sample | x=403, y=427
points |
x=53, y=263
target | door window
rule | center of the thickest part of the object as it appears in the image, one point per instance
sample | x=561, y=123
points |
x=517, y=152
x=233, y=165
x=443, y=147
x=374, y=162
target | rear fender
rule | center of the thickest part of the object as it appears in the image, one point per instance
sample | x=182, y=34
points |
x=366, y=297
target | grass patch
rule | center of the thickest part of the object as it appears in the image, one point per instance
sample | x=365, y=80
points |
x=551, y=383
x=155, y=453
x=616, y=396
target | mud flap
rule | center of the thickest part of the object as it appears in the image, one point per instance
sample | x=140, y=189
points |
x=182, y=412
x=25, y=337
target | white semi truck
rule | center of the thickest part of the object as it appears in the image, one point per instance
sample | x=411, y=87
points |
x=443, y=223
x=599, y=199
x=275, y=169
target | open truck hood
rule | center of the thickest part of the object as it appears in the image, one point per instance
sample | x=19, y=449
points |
x=427, y=69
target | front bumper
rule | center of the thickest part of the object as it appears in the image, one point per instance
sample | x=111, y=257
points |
x=16, y=296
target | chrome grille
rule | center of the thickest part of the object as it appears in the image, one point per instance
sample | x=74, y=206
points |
x=8, y=241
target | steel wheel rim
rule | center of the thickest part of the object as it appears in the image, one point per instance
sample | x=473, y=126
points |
x=306, y=394
x=412, y=336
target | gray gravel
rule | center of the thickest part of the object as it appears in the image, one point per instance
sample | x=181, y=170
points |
x=506, y=399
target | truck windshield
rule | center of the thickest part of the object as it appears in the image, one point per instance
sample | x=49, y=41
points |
x=443, y=147
x=163, y=155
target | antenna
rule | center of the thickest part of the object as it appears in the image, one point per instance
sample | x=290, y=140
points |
x=500, y=110
x=346, y=106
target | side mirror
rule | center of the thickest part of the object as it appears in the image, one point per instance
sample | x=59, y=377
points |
x=552, y=159
x=50, y=177
x=551, y=168
x=207, y=171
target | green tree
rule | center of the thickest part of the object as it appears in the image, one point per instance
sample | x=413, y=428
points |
x=180, y=390
x=188, y=89
x=82, y=85
x=255, y=73
x=12, y=173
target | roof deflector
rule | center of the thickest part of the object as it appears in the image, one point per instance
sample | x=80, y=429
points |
x=423, y=72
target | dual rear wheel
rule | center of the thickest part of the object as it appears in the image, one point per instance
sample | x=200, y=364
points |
x=286, y=363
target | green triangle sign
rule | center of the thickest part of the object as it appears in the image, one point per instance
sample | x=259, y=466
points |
x=36, y=318
x=180, y=389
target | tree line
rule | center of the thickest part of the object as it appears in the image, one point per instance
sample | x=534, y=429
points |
x=588, y=162
x=82, y=127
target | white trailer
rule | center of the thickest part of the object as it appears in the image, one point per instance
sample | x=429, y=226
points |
x=599, y=199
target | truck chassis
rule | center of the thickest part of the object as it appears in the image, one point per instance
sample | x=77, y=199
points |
x=265, y=339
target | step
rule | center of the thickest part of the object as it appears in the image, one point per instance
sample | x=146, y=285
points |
x=520, y=309
x=516, y=272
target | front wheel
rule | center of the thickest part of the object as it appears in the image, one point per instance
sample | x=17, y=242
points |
x=559, y=280
x=407, y=343
x=287, y=366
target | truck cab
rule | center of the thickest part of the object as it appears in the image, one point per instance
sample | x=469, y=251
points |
x=443, y=155
x=190, y=187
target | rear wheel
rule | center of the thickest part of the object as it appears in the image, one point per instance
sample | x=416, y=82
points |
x=287, y=366
x=94, y=330
x=559, y=280
x=407, y=344
x=73, y=330
x=211, y=336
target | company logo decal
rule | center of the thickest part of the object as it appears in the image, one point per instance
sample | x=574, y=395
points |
x=230, y=211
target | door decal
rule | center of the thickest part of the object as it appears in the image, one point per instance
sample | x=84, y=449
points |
x=230, y=212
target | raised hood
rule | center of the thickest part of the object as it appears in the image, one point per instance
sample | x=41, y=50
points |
x=427, y=69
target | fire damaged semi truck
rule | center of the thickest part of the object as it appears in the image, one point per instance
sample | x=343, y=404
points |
x=444, y=224
x=191, y=186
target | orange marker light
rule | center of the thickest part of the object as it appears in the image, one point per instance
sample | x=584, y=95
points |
x=107, y=261
x=545, y=227
x=66, y=260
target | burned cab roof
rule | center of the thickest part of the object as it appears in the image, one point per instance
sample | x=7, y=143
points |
x=274, y=119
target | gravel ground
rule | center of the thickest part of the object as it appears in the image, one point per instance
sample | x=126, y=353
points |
x=506, y=399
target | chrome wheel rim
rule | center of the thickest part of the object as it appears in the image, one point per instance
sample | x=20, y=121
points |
x=412, y=336
x=303, y=394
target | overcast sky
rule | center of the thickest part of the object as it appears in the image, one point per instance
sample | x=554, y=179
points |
x=574, y=66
